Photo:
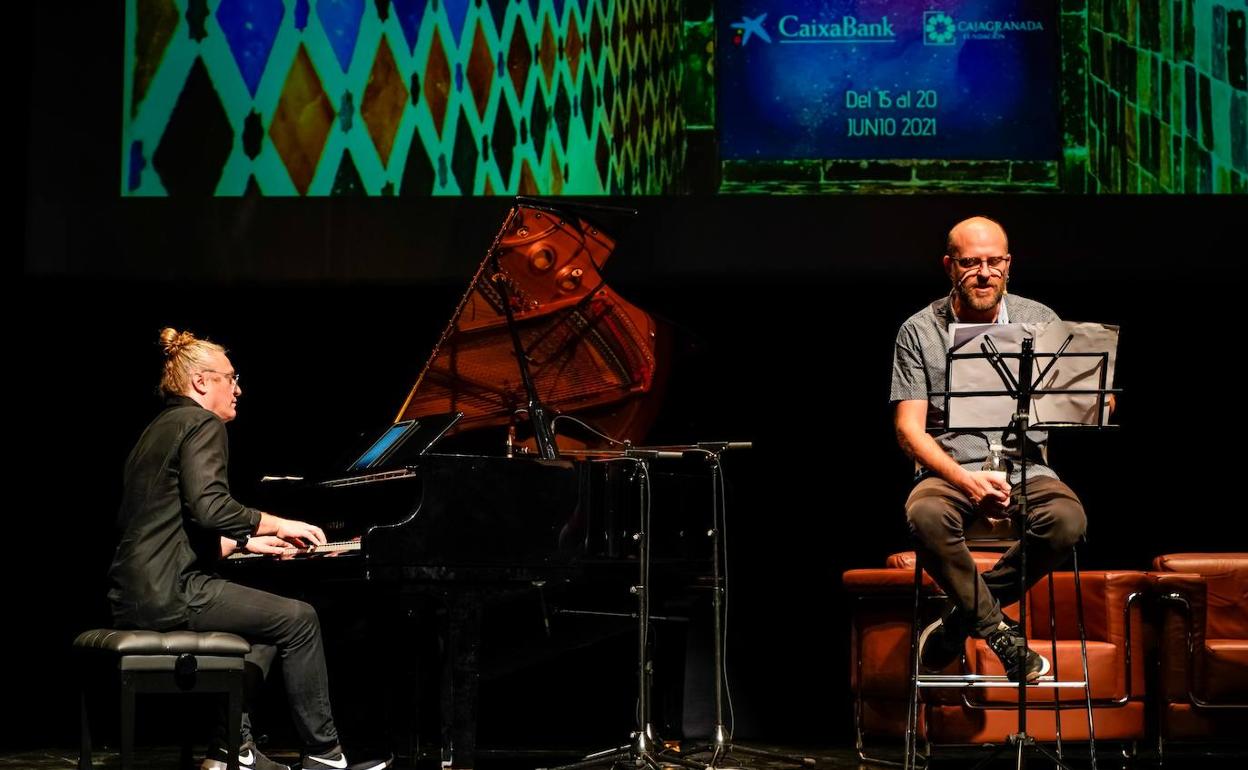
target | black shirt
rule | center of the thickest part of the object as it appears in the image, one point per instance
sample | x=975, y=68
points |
x=175, y=507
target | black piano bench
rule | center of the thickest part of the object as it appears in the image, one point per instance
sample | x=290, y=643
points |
x=171, y=662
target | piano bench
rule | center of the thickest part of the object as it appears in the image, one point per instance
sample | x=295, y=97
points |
x=169, y=662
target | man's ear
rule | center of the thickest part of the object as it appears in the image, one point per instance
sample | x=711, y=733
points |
x=198, y=383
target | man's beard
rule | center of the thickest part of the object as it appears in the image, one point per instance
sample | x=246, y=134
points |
x=966, y=293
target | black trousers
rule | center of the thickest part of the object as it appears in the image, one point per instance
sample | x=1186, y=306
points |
x=279, y=627
x=939, y=515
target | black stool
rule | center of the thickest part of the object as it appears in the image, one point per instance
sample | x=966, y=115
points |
x=172, y=662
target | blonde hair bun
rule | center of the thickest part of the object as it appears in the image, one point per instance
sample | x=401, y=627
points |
x=174, y=342
x=184, y=354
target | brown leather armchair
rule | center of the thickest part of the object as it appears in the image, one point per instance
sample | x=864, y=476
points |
x=883, y=601
x=1202, y=646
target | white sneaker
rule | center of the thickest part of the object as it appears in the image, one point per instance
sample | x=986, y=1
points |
x=335, y=759
x=249, y=758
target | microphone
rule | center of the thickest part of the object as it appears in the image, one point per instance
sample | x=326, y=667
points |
x=700, y=449
x=653, y=454
x=720, y=446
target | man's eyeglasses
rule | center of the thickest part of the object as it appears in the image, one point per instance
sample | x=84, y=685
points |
x=229, y=375
x=994, y=263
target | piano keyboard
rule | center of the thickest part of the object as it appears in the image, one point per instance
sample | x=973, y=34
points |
x=329, y=549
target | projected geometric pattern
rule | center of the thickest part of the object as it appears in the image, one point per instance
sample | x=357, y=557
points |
x=411, y=97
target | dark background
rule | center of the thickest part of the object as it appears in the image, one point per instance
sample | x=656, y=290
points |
x=786, y=309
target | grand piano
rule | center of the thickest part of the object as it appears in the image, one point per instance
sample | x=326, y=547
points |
x=538, y=343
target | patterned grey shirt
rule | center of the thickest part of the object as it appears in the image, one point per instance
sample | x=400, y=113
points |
x=919, y=369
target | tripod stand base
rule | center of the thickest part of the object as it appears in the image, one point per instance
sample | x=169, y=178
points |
x=719, y=751
x=632, y=757
x=1021, y=743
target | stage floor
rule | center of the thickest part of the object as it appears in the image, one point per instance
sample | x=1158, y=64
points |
x=827, y=758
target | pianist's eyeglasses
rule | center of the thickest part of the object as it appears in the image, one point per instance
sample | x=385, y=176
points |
x=994, y=263
x=228, y=375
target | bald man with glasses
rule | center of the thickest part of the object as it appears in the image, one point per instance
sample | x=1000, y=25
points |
x=952, y=492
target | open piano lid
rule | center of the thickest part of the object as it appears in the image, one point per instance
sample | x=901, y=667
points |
x=586, y=346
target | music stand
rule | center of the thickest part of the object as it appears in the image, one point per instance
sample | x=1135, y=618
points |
x=644, y=749
x=722, y=745
x=1021, y=389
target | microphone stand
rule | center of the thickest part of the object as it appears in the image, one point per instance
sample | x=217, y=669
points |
x=543, y=433
x=722, y=745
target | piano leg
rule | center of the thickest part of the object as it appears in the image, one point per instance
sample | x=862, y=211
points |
x=461, y=679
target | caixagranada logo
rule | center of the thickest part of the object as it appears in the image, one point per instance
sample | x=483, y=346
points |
x=939, y=28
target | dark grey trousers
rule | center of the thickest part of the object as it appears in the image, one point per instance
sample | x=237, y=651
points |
x=291, y=629
x=939, y=516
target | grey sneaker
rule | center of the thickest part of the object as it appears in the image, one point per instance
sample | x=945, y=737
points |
x=942, y=642
x=1007, y=643
x=249, y=758
x=335, y=759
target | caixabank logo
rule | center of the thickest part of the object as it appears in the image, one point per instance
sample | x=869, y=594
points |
x=749, y=27
x=794, y=29
x=940, y=28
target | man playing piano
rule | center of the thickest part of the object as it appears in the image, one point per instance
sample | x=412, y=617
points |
x=177, y=518
x=953, y=490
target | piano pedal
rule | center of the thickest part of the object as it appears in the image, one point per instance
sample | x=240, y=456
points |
x=540, y=585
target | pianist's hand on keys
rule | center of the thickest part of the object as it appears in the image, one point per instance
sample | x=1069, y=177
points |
x=295, y=552
x=271, y=545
